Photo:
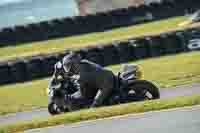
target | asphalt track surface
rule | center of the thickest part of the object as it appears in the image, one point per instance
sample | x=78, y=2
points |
x=43, y=113
x=182, y=120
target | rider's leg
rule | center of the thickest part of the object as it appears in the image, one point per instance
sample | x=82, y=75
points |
x=78, y=100
x=106, y=88
x=100, y=97
x=77, y=97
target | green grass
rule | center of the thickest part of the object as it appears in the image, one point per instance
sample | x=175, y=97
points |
x=171, y=70
x=92, y=114
x=165, y=72
x=89, y=39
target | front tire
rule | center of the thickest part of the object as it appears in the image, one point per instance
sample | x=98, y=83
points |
x=52, y=109
x=144, y=90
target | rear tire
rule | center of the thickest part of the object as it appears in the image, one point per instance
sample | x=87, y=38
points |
x=142, y=88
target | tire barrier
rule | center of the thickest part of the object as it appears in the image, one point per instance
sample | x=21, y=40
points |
x=156, y=47
x=110, y=55
x=140, y=48
x=96, y=22
x=49, y=61
x=29, y=68
x=193, y=40
x=125, y=51
x=5, y=73
x=93, y=53
x=35, y=67
x=172, y=43
x=18, y=70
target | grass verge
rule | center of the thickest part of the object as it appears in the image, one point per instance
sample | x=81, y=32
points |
x=76, y=42
x=92, y=114
x=165, y=71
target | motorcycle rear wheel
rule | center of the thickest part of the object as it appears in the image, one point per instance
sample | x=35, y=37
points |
x=143, y=90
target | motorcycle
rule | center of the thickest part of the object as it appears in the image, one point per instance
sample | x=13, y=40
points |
x=129, y=88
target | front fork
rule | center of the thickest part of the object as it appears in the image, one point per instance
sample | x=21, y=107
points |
x=59, y=104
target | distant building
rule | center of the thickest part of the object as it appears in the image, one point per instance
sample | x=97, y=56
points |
x=93, y=6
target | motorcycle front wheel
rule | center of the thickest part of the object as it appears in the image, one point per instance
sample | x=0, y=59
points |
x=52, y=109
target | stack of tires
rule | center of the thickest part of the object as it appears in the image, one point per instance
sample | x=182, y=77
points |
x=192, y=39
x=24, y=69
x=97, y=22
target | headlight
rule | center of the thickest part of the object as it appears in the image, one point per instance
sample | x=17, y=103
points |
x=49, y=92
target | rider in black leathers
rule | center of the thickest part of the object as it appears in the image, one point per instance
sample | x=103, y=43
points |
x=93, y=81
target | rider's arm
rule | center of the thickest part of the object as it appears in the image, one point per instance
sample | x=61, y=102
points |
x=57, y=71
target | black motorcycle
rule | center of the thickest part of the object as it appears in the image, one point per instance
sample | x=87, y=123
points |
x=129, y=88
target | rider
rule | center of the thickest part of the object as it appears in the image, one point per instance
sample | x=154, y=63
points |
x=93, y=80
